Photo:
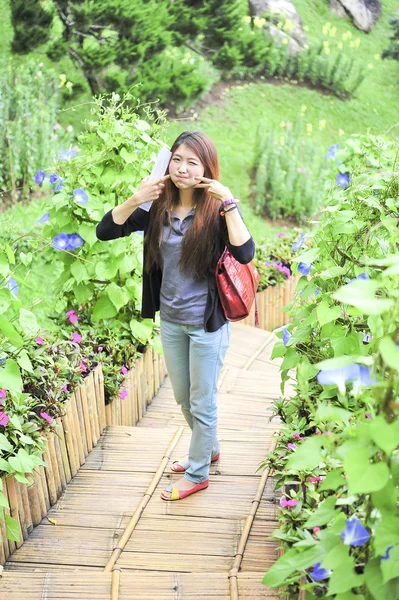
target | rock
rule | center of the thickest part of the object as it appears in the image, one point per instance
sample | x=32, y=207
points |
x=279, y=36
x=363, y=12
x=337, y=9
x=287, y=11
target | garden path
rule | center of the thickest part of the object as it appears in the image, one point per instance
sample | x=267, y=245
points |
x=189, y=549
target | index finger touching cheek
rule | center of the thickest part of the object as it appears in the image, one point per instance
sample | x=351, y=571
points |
x=164, y=178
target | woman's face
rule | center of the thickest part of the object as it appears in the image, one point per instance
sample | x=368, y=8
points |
x=184, y=166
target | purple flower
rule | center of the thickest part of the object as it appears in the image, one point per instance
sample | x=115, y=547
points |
x=124, y=370
x=40, y=177
x=296, y=245
x=66, y=155
x=80, y=196
x=291, y=446
x=59, y=185
x=354, y=534
x=61, y=241
x=286, y=336
x=281, y=234
x=332, y=151
x=284, y=503
x=53, y=177
x=76, y=337
x=123, y=394
x=75, y=241
x=386, y=555
x=304, y=268
x=47, y=417
x=39, y=340
x=44, y=218
x=359, y=374
x=342, y=179
x=318, y=574
x=3, y=393
x=3, y=418
x=12, y=285
x=2, y=362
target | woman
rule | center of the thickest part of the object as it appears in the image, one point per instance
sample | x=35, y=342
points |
x=192, y=218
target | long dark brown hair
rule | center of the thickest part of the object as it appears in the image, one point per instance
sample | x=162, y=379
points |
x=201, y=241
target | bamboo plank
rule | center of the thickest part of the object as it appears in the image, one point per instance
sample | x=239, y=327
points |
x=87, y=418
x=59, y=455
x=21, y=509
x=81, y=421
x=23, y=489
x=67, y=427
x=7, y=511
x=49, y=475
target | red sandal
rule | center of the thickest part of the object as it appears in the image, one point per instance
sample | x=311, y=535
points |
x=180, y=494
x=183, y=464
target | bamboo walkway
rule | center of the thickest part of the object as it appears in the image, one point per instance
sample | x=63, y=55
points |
x=111, y=536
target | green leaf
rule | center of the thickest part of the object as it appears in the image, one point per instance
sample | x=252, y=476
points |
x=10, y=332
x=106, y=270
x=13, y=531
x=10, y=376
x=307, y=456
x=118, y=296
x=326, y=314
x=389, y=353
x=333, y=480
x=349, y=596
x=5, y=467
x=307, y=257
x=5, y=299
x=363, y=476
x=291, y=360
x=28, y=322
x=128, y=157
x=375, y=583
x=330, y=412
x=4, y=266
x=332, y=272
x=3, y=501
x=323, y=514
x=104, y=309
x=336, y=557
x=361, y=294
x=390, y=567
x=79, y=271
x=336, y=363
x=291, y=562
x=142, y=330
x=385, y=435
x=278, y=350
x=24, y=361
x=22, y=461
x=343, y=579
x=21, y=478
x=386, y=533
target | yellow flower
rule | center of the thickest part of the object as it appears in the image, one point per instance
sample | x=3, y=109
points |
x=349, y=34
x=246, y=19
x=357, y=42
x=344, y=37
x=62, y=77
x=327, y=50
x=370, y=66
x=305, y=28
x=322, y=124
x=281, y=140
x=303, y=109
x=309, y=128
x=339, y=45
x=284, y=42
x=282, y=124
x=259, y=22
x=279, y=25
x=333, y=31
x=377, y=57
x=288, y=25
x=352, y=44
x=326, y=28
x=325, y=44
x=341, y=132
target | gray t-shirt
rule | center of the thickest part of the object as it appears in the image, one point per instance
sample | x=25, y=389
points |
x=183, y=297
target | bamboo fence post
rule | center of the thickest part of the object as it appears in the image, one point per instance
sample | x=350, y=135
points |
x=11, y=543
x=21, y=508
x=86, y=415
x=14, y=509
x=54, y=464
x=5, y=553
x=34, y=503
x=108, y=414
x=42, y=489
x=49, y=474
x=81, y=421
x=58, y=452
x=139, y=388
x=77, y=436
x=102, y=392
x=23, y=490
x=68, y=441
x=96, y=416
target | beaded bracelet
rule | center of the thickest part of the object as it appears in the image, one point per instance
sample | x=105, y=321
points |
x=230, y=201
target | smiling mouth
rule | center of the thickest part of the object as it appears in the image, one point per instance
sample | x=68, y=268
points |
x=179, y=177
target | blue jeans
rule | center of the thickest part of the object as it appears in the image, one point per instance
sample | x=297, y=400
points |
x=194, y=359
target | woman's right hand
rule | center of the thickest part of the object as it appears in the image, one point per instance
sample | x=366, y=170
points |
x=150, y=190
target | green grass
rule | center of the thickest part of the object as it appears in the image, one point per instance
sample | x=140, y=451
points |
x=233, y=126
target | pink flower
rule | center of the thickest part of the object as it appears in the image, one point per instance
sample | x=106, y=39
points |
x=3, y=393
x=150, y=424
x=82, y=307
x=64, y=387
x=73, y=319
x=296, y=435
x=291, y=446
x=288, y=125
x=318, y=432
x=281, y=234
x=124, y=370
x=123, y=394
x=3, y=419
x=316, y=530
x=69, y=129
x=56, y=126
x=100, y=349
x=314, y=479
x=47, y=417
x=42, y=370
x=327, y=433
x=40, y=340
x=368, y=416
x=69, y=313
x=83, y=367
x=284, y=503
x=76, y=337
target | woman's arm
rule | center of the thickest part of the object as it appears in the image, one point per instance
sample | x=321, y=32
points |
x=236, y=228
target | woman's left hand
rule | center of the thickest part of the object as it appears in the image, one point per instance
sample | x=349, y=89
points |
x=215, y=188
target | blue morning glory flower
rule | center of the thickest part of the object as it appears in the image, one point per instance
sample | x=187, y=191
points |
x=332, y=151
x=13, y=286
x=387, y=553
x=61, y=241
x=296, y=245
x=53, y=177
x=366, y=338
x=363, y=276
x=358, y=374
x=59, y=185
x=40, y=177
x=304, y=268
x=318, y=573
x=286, y=336
x=80, y=196
x=75, y=241
x=354, y=534
x=317, y=291
x=3, y=361
x=66, y=155
x=342, y=179
x=44, y=218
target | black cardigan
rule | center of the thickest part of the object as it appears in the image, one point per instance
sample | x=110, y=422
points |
x=139, y=220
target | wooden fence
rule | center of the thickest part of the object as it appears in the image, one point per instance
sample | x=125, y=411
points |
x=270, y=302
x=85, y=418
